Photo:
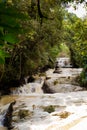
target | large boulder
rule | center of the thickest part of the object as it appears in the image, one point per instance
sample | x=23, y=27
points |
x=53, y=86
x=66, y=81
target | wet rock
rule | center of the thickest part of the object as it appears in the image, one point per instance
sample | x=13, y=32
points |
x=55, y=86
x=70, y=111
x=57, y=71
x=46, y=88
x=57, y=68
x=63, y=114
x=49, y=108
x=7, y=120
x=30, y=79
x=66, y=81
x=23, y=113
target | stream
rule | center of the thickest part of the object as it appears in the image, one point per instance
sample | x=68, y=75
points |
x=53, y=102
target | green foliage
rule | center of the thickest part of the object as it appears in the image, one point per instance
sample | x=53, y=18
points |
x=49, y=109
x=64, y=50
x=75, y=31
x=55, y=82
x=3, y=55
x=37, y=47
x=10, y=27
x=54, y=51
x=10, y=38
x=83, y=77
x=31, y=38
x=75, y=37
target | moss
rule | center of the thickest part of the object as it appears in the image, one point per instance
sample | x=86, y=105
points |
x=64, y=114
x=49, y=109
x=42, y=74
x=55, y=82
x=24, y=113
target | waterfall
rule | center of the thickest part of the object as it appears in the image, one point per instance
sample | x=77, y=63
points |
x=64, y=62
x=35, y=87
x=64, y=73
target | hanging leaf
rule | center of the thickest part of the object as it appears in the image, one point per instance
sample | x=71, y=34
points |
x=3, y=55
x=10, y=38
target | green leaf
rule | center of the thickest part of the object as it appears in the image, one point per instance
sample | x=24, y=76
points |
x=1, y=44
x=12, y=11
x=3, y=55
x=10, y=38
x=2, y=60
x=1, y=30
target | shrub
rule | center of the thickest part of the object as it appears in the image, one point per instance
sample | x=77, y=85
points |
x=83, y=77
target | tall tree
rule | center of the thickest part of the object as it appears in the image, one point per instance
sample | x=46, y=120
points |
x=75, y=37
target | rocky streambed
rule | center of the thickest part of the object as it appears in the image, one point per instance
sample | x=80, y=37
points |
x=59, y=111
x=54, y=102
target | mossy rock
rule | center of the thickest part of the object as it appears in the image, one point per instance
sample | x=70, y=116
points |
x=83, y=77
x=23, y=113
x=63, y=115
x=55, y=82
x=49, y=109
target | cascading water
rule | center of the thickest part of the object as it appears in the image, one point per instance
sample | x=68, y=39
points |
x=35, y=110
x=35, y=87
x=64, y=62
x=1, y=117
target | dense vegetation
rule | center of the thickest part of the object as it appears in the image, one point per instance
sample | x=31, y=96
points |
x=32, y=42
x=31, y=34
x=75, y=30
